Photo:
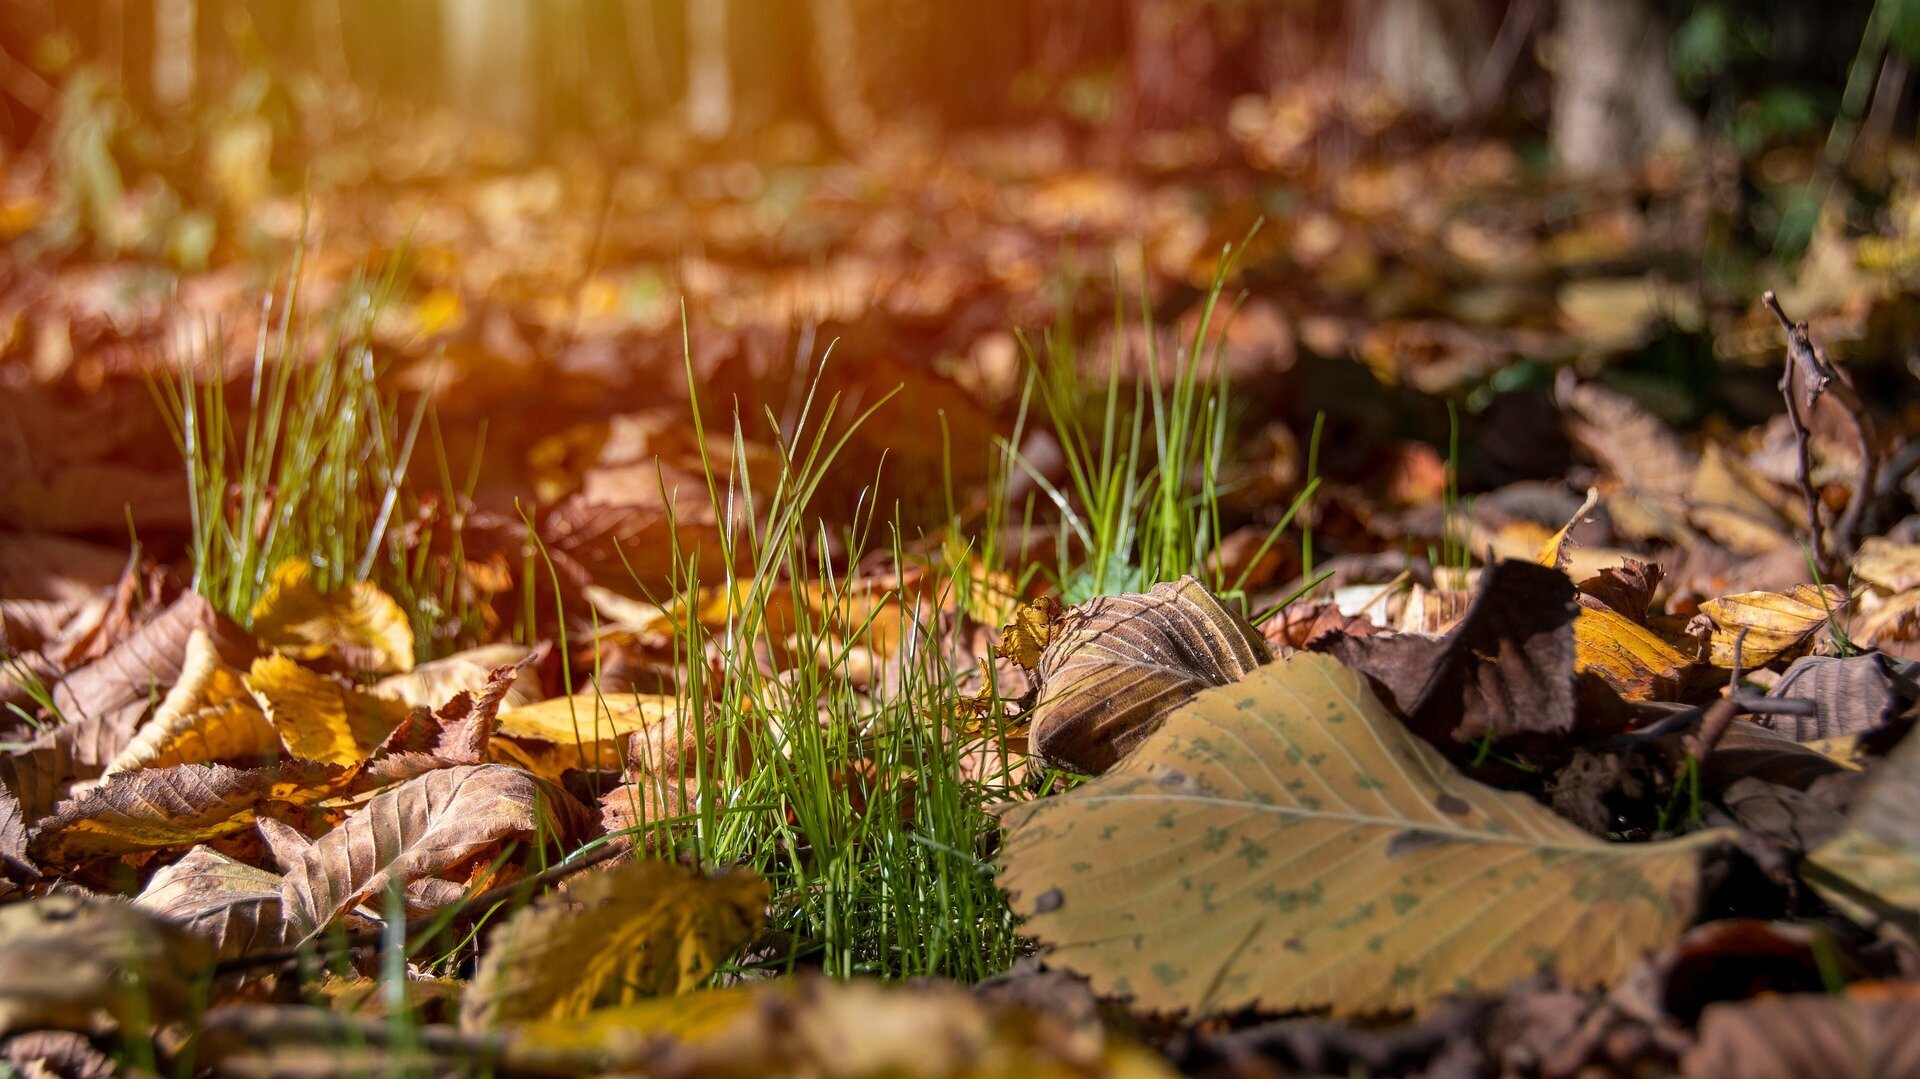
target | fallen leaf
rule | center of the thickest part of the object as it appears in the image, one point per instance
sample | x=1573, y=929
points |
x=156, y=808
x=1635, y=662
x=426, y=826
x=1777, y=625
x=1507, y=668
x=317, y=718
x=1117, y=665
x=1284, y=841
x=1030, y=630
x=1871, y=870
x=207, y=716
x=235, y=907
x=1627, y=589
x=638, y=930
x=433, y=683
x=359, y=625
x=1808, y=1034
x=89, y=965
x=587, y=730
x=1890, y=566
x=1853, y=695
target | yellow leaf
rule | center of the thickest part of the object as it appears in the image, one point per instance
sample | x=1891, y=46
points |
x=207, y=716
x=435, y=682
x=586, y=730
x=359, y=624
x=317, y=718
x=1777, y=625
x=1894, y=567
x=1030, y=629
x=1285, y=840
x=644, y=929
x=1638, y=663
x=1554, y=552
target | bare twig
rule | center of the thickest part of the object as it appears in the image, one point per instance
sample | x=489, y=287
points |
x=1807, y=376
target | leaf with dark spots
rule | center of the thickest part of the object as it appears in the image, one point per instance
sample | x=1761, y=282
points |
x=1506, y=669
x=1116, y=665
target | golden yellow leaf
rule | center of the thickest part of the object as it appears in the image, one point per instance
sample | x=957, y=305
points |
x=1285, y=841
x=1777, y=625
x=359, y=625
x=1028, y=632
x=1554, y=552
x=1638, y=663
x=318, y=718
x=586, y=730
x=1894, y=567
x=638, y=930
x=207, y=716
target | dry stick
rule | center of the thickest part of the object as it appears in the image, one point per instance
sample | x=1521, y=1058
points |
x=465, y=908
x=1809, y=372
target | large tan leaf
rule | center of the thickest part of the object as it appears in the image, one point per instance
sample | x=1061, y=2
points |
x=318, y=718
x=425, y=826
x=1777, y=625
x=638, y=930
x=85, y=964
x=233, y=906
x=432, y=683
x=359, y=625
x=207, y=716
x=1117, y=664
x=156, y=808
x=1285, y=841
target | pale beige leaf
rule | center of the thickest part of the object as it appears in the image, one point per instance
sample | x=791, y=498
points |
x=207, y=716
x=1285, y=841
x=426, y=826
x=1894, y=567
x=233, y=906
x=433, y=683
x=359, y=625
x=1118, y=664
x=317, y=718
x=638, y=930
x=1777, y=625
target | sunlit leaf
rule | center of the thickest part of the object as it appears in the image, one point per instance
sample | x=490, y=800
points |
x=359, y=625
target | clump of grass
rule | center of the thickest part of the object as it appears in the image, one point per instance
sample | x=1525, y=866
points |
x=313, y=467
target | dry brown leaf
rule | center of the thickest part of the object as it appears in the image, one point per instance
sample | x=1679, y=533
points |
x=1890, y=566
x=90, y=965
x=638, y=930
x=1853, y=696
x=1802, y=1035
x=1627, y=589
x=235, y=907
x=156, y=808
x=1118, y=664
x=1730, y=502
x=1776, y=625
x=427, y=826
x=359, y=625
x=433, y=683
x=1871, y=870
x=317, y=718
x=1285, y=841
x=207, y=716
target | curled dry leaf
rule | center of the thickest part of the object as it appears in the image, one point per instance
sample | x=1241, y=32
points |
x=1027, y=634
x=1627, y=589
x=77, y=963
x=643, y=929
x=1118, y=664
x=587, y=730
x=1808, y=1034
x=1285, y=841
x=105, y=700
x=1777, y=625
x=207, y=716
x=433, y=683
x=425, y=827
x=1852, y=696
x=157, y=808
x=359, y=625
x=1505, y=669
x=317, y=718
x=1871, y=870
x=1302, y=626
x=233, y=906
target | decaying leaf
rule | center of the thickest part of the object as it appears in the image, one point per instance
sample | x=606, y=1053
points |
x=207, y=716
x=1809, y=1034
x=1777, y=625
x=1871, y=870
x=638, y=930
x=1030, y=630
x=1627, y=588
x=89, y=965
x=1506, y=668
x=426, y=826
x=233, y=906
x=1285, y=841
x=1853, y=695
x=156, y=808
x=1118, y=664
x=434, y=682
x=359, y=625
x=317, y=718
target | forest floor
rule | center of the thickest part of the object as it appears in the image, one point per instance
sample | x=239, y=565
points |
x=1310, y=597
